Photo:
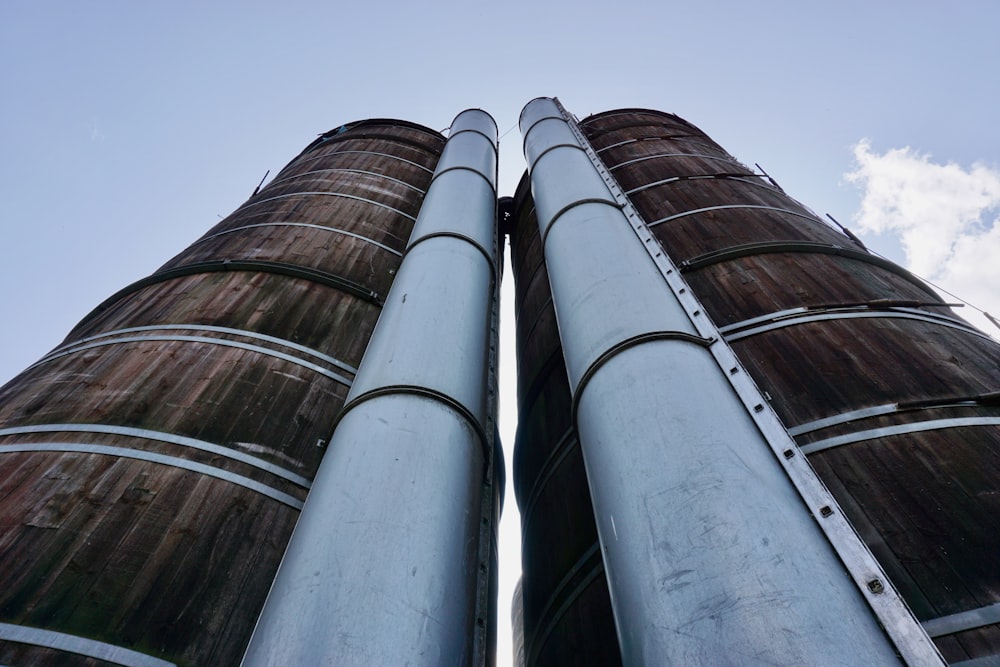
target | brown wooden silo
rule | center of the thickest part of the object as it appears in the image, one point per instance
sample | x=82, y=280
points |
x=565, y=608
x=153, y=465
x=889, y=393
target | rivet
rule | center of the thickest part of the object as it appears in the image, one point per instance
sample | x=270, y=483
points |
x=734, y=370
x=682, y=290
x=696, y=313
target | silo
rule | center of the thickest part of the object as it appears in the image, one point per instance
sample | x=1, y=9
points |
x=563, y=607
x=890, y=395
x=708, y=512
x=154, y=464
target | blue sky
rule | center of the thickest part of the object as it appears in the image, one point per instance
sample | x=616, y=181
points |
x=128, y=129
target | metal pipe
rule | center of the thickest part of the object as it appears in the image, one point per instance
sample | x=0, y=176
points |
x=710, y=553
x=383, y=565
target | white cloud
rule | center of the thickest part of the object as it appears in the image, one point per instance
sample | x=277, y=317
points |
x=946, y=217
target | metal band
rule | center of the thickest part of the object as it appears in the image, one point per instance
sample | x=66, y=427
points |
x=480, y=133
x=856, y=314
x=525, y=133
x=548, y=150
x=181, y=440
x=589, y=562
x=566, y=444
x=736, y=206
x=456, y=235
x=300, y=224
x=465, y=168
x=689, y=138
x=742, y=178
x=322, y=194
x=659, y=155
x=90, y=648
x=297, y=162
x=152, y=457
x=349, y=135
x=336, y=377
x=751, y=249
x=899, y=429
x=620, y=347
x=425, y=392
x=260, y=266
x=225, y=330
x=965, y=620
x=569, y=207
x=977, y=400
x=843, y=418
x=345, y=170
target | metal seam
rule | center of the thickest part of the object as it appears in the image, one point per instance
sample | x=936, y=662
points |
x=322, y=194
x=579, y=202
x=899, y=429
x=152, y=457
x=160, y=436
x=91, y=648
x=463, y=167
x=299, y=224
x=969, y=619
x=620, y=347
x=456, y=235
x=856, y=315
x=207, y=327
x=425, y=392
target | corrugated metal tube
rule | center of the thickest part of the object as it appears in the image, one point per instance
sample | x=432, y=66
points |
x=382, y=567
x=711, y=555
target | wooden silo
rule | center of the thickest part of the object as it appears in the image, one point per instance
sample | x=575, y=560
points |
x=153, y=465
x=888, y=392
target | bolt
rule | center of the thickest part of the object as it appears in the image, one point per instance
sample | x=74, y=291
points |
x=875, y=586
x=825, y=510
x=789, y=453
